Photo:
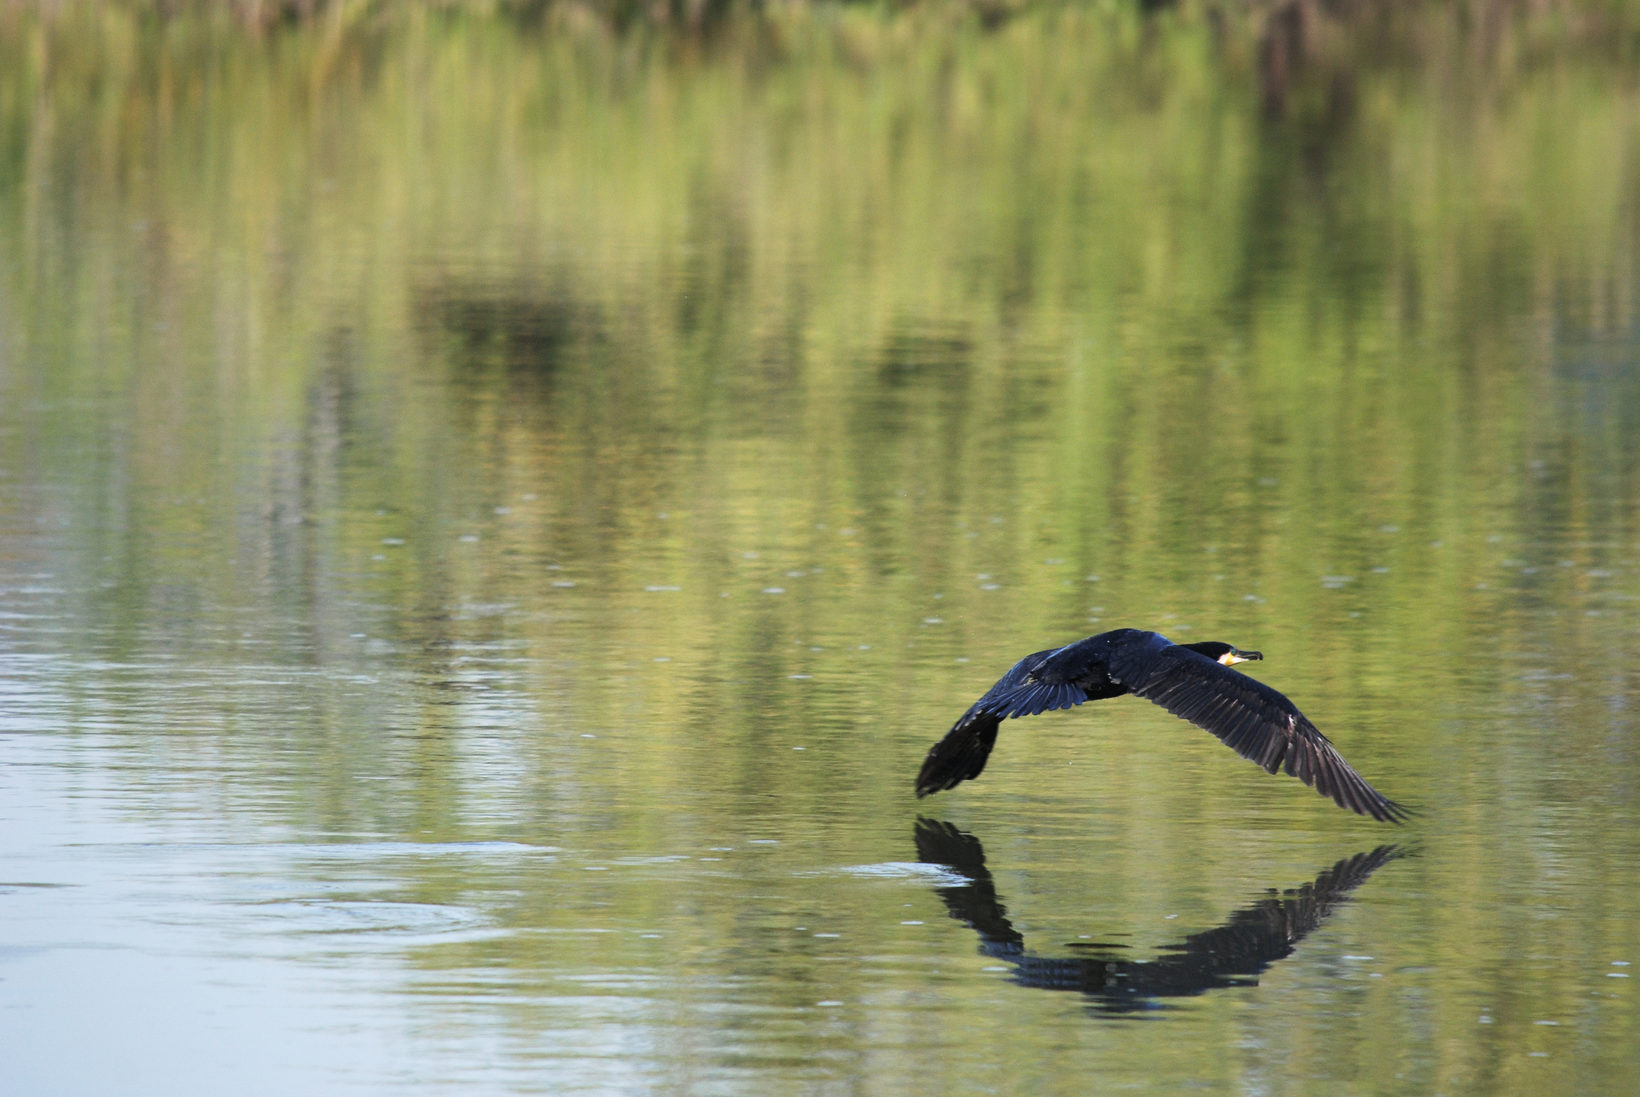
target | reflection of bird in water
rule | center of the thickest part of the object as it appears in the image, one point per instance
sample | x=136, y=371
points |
x=1233, y=954
x=1192, y=681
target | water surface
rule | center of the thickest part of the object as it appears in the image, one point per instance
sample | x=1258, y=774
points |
x=490, y=522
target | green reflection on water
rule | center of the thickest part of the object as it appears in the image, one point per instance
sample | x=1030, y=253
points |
x=444, y=432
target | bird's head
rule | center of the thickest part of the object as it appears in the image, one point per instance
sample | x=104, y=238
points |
x=1224, y=653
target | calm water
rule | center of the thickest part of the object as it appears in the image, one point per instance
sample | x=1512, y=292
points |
x=490, y=522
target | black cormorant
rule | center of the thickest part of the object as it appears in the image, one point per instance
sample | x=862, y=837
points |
x=1192, y=681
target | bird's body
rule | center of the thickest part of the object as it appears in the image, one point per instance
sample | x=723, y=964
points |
x=1193, y=681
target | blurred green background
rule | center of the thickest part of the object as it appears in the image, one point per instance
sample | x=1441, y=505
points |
x=496, y=499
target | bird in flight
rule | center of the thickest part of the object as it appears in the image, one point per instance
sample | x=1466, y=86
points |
x=1192, y=681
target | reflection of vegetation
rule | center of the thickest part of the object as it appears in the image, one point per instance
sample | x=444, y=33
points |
x=1306, y=21
x=1054, y=291
x=1059, y=291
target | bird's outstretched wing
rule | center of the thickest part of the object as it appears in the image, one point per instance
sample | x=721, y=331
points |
x=1253, y=720
x=961, y=755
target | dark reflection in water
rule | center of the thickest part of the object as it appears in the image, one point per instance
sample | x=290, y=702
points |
x=521, y=327
x=1233, y=954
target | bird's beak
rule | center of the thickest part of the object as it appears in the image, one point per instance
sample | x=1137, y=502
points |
x=1236, y=655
